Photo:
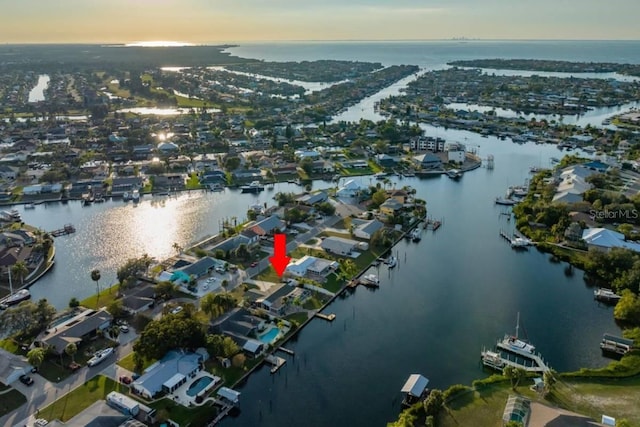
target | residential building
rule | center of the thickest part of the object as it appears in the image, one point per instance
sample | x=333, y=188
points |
x=572, y=184
x=311, y=266
x=391, y=207
x=267, y=226
x=169, y=373
x=605, y=239
x=339, y=245
x=311, y=199
x=78, y=329
x=364, y=229
x=350, y=189
x=428, y=161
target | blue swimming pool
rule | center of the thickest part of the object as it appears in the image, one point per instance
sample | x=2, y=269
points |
x=270, y=336
x=199, y=385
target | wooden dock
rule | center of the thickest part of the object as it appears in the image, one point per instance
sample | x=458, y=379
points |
x=433, y=224
x=224, y=410
x=276, y=362
x=328, y=317
x=67, y=229
x=497, y=360
x=286, y=350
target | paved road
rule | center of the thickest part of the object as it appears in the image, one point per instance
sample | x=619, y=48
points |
x=42, y=392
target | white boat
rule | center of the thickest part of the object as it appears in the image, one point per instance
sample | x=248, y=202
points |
x=520, y=242
x=606, y=295
x=505, y=202
x=492, y=360
x=100, y=356
x=514, y=344
x=17, y=297
x=135, y=196
x=216, y=187
x=416, y=235
x=29, y=206
x=254, y=187
x=391, y=261
x=380, y=175
x=454, y=174
x=10, y=216
x=371, y=280
x=126, y=196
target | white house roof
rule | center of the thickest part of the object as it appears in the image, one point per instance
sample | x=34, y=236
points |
x=415, y=385
x=229, y=394
x=607, y=239
x=351, y=185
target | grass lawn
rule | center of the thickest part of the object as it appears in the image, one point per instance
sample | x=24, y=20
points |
x=333, y=283
x=297, y=318
x=194, y=416
x=615, y=397
x=10, y=345
x=11, y=401
x=81, y=398
x=127, y=363
x=230, y=375
x=268, y=275
x=313, y=303
x=375, y=168
x=106, y=296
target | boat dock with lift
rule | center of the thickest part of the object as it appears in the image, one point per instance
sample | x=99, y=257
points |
x=328, y=317
x=275, y=361
x=512, y=351
x=516, y=240
x=67, y=229
x=615, y=346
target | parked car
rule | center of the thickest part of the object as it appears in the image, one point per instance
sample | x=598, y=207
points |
x=73, y=366
x=254, y=264
x=177, y=310
x=26, y=379
x=124, y=328
x=100, y=356
x=125, y=380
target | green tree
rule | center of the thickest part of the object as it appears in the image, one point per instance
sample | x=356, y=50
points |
x=513, y=423
x=169, y=333
x=628, y=308
x=515, y=375
x=73, y=302
x=116, y=309
x=36, y=356
x=176, y=247
x=71, y=349
x=95, y=276
x=20, y=270
x=549, y=379
x=434, y=402
x=166, y=289
x=378, y=198
x=43, y=312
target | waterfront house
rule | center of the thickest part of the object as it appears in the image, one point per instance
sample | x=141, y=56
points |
x=312, y=267
x=311, y=199
x=572, y=184
x=80, y=328
x=200, y=268
x=169, y=373
x=126, y=184
x=391, y=207
x=605, y=239
x=385, y=160
x=267, y=226
x=428, y=161
x=242, y=327
x=340, y=246
x=350, y=189
x=139, y=298
x=364, y=229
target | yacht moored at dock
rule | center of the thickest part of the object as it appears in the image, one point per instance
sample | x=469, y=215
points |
x=606, y=295
x=514, y=344
x=391, y=262
x=254, y=187
x=415, y=235
x=454, y=174
x=505, y=201
x=612, y=345
x=370, y=280
x=29, y=206
x=16, y=298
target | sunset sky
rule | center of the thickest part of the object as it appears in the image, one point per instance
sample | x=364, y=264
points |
x=205, y=21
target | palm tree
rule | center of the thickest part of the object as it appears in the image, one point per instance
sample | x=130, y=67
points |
x=95, y=276
x=176, y=247
x=71, y=349
x=35, y=357
x=20, y=269
x=224, y=284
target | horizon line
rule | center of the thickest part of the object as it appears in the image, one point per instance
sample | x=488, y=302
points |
x=237, y=42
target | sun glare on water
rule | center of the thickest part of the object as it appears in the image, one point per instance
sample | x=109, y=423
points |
x=159, y=43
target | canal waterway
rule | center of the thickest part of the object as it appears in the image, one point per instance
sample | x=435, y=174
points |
x=456, y=291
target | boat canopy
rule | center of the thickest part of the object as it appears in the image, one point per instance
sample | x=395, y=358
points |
x=415, y=385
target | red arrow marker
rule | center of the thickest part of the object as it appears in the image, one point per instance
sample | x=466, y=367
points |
x=279, y=260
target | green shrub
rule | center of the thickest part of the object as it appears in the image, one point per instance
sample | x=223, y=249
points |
x=454, y=391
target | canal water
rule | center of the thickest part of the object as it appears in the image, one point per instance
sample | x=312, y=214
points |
x=452, y=294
